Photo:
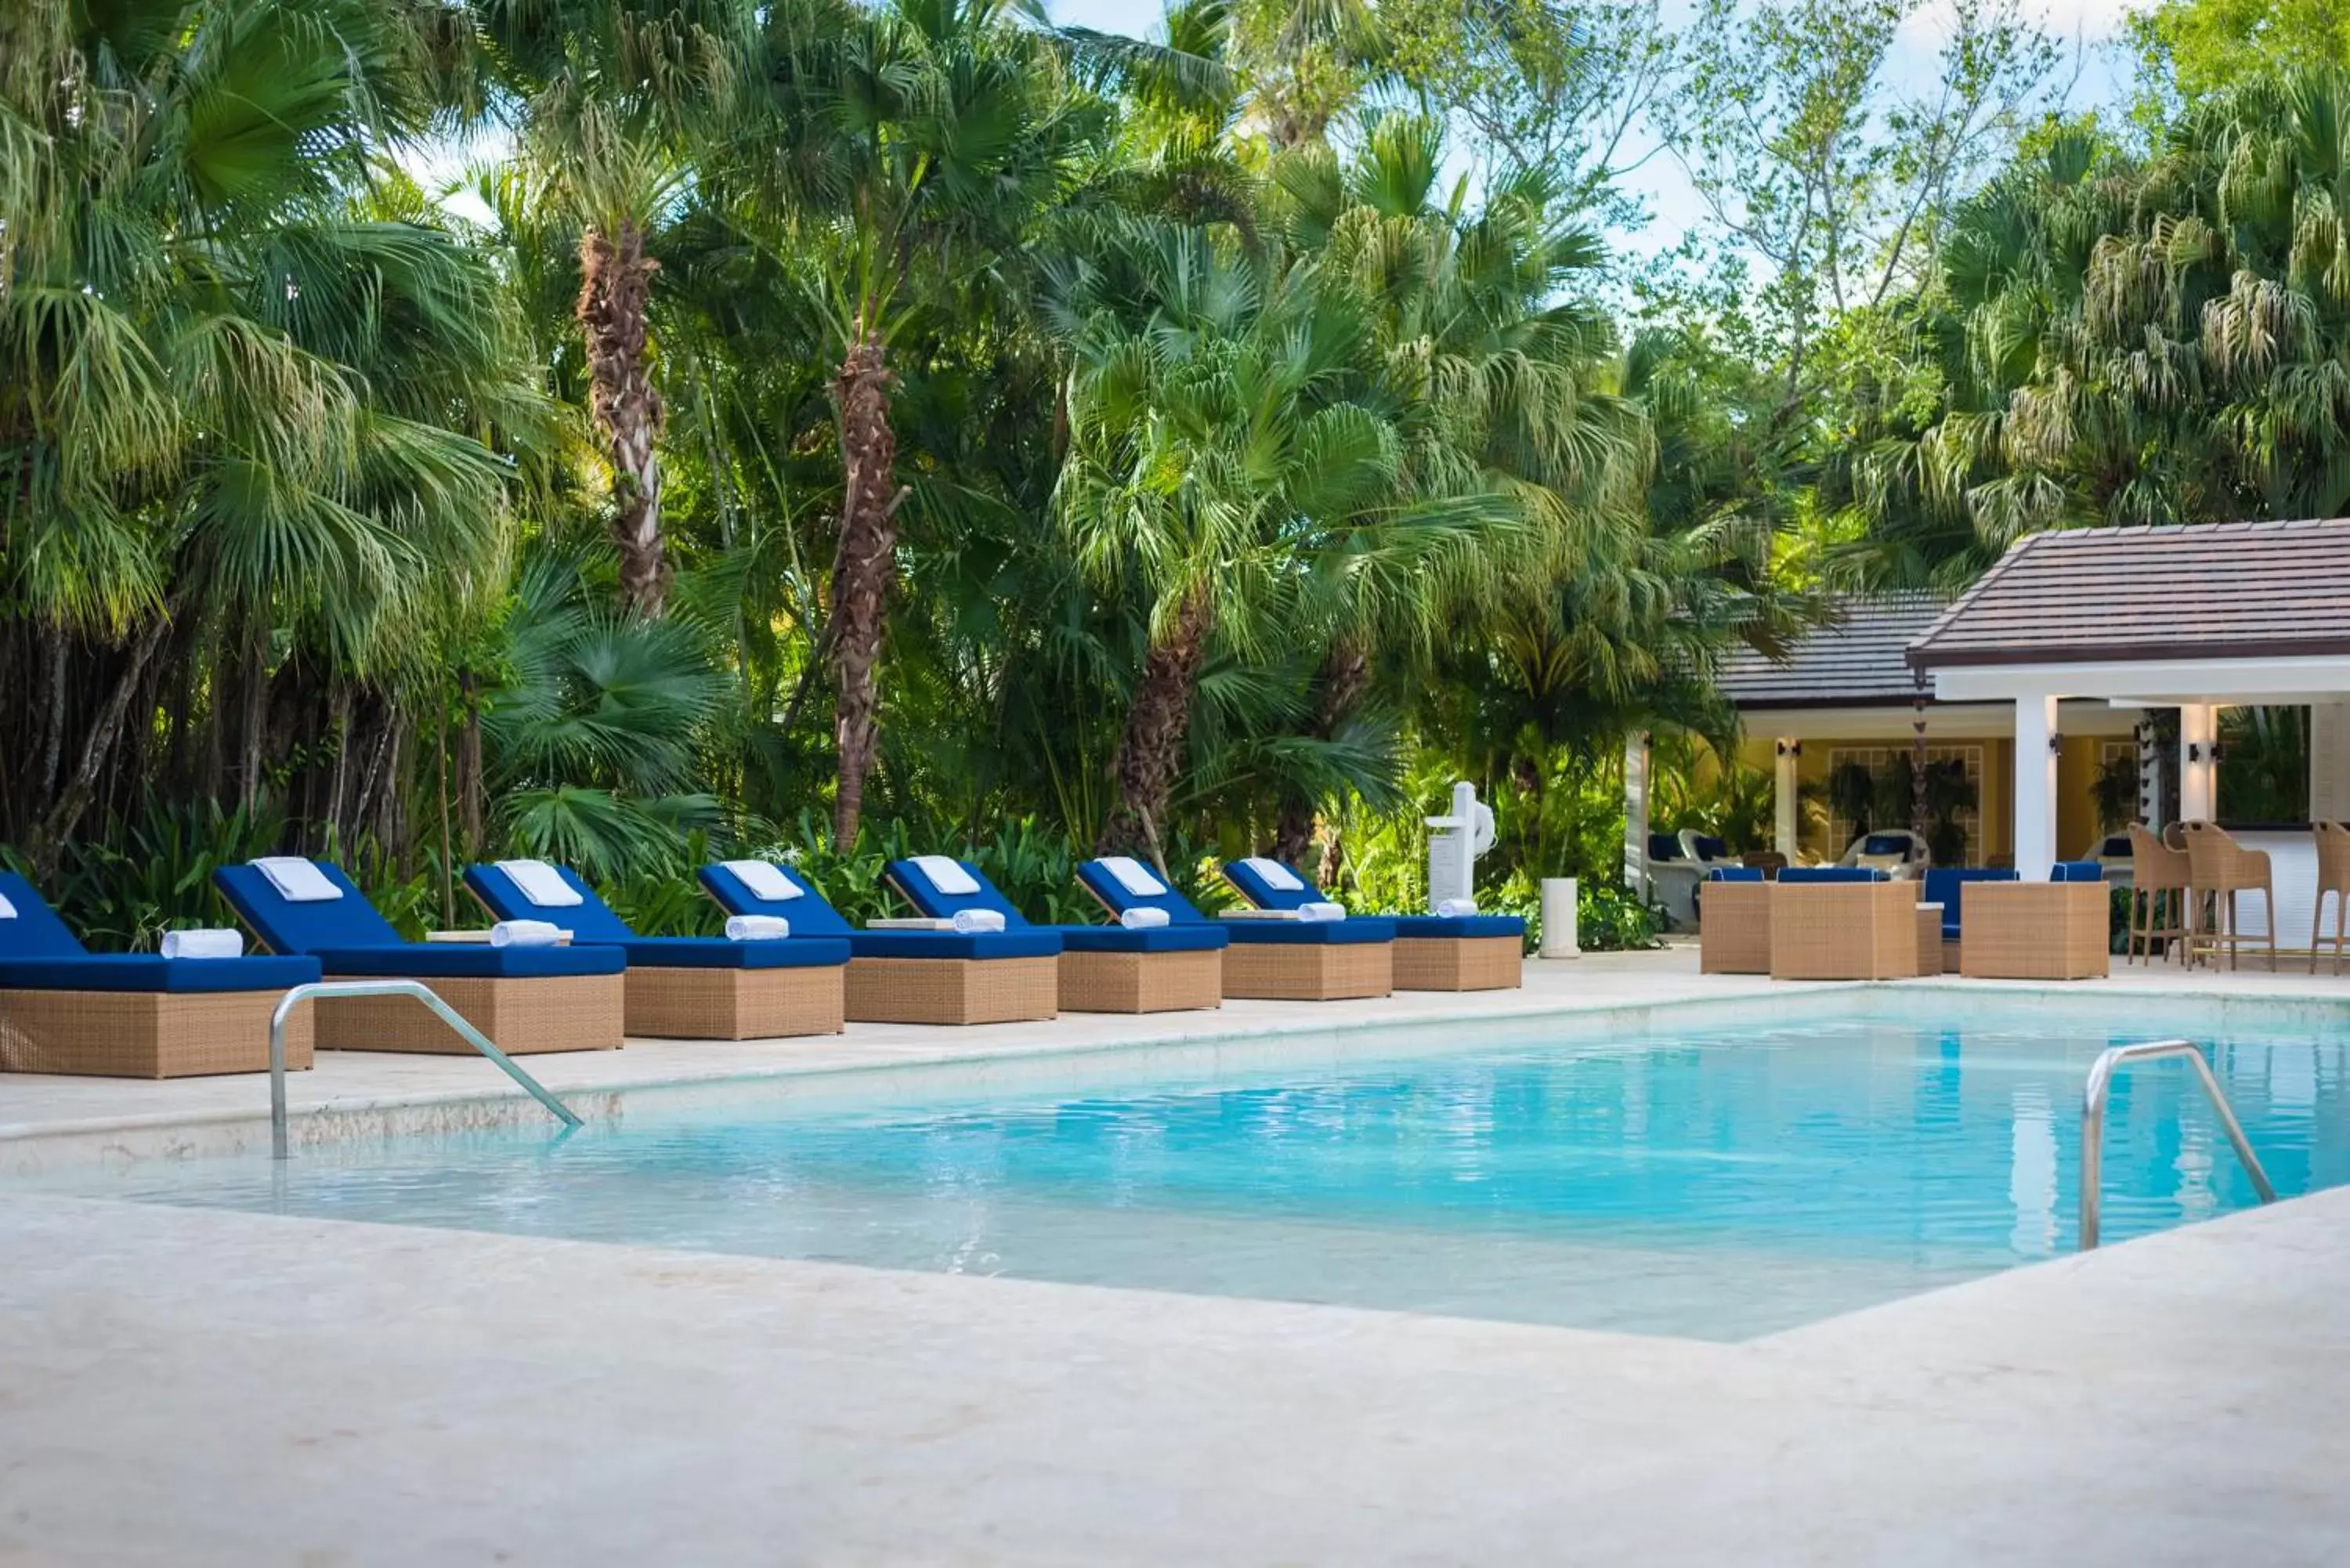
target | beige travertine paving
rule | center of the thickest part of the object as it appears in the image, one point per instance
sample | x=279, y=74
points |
x=219, y=1389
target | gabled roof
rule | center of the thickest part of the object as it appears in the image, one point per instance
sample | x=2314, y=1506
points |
x=2219, y=590
x=1855, y=662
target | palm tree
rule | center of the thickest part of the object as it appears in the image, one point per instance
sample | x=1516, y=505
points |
x=245, y=384
x=921, y=137
x=612, y=100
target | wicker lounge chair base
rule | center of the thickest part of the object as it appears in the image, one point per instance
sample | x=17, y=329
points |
x=1276, y=971
x=2036, y=930
x=1459, y=963
x=953, y=990
x=1845, y=931
x=1929, y=939
x=736, y=1003
x=1734, y=928
x=147, y=1034
x=1142, y=982
x=522, y=1017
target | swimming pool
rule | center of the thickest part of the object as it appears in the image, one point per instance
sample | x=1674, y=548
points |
x=1718, y=1182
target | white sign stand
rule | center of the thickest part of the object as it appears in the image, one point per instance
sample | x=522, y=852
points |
x=1453, y=845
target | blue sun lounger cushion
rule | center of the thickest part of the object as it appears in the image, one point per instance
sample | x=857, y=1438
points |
x=592, y=920
x=1946, y=886
x=809, y=914
x=348, y=937
x=919, y=889
x=1103, y=882
x=1267, y=892
x=38, y=952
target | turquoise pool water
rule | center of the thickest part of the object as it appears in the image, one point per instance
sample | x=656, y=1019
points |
x=1718, y=1184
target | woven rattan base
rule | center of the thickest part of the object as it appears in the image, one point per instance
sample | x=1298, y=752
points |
x=2036, y=930
x=736, y=1003
x=146, y=1035
x=1845, y=931
x=1279, y=971
x=1734, y=928
x=1929, y=939
x=953, y=990
x=1460, y=963
x=522, y=1017
x=1142, y=982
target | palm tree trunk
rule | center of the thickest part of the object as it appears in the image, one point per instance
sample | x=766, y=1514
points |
x=1150, y=750
x=861, y=569
x=1346, y=675
x=105, y=729
x=614, y=300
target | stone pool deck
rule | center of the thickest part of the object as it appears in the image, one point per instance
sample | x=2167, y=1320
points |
x=190, y=1386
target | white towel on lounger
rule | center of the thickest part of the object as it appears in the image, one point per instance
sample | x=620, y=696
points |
x=1320, y=911
x=1133, y=875
x=1274, y=875
x=203, y=944
x=765, y=880
x=7, y=909
x=525, y=934
x=975, y=920
x=540, y=883
x=757, y=928
x=1142, y=919
x=1455, y=909
x=946, y=874
x=297, y=880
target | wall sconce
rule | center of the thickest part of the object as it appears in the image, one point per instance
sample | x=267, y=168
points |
x=2196, y=752
x=2055, y=744
x=1791, y=748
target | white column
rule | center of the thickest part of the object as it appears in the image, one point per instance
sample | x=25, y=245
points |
x=1635, y=814
x=1786, y=790
x=2198, y=771
x=2329, y=762
x=2035, y=787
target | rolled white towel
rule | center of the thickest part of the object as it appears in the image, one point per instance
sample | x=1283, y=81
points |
x=525, y=934
x=1141, y=920
x=969, y=920
x=1320, y=912
x=757, y=928
x=203, y=944
x=1454, y=909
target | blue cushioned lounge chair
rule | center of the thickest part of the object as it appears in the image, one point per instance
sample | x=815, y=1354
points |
x=1104, y=969
x=64, y=1008
x=1281, y=960
x=1433, y=952
x=527, y=1000
x=899, y=976
x=686, y=988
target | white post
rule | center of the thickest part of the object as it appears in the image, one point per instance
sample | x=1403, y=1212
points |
x=2035, y=787
x=1558, y=918
x=1635, y=814
x=2329, y=762
x=1785, y=787
x=2198, y=770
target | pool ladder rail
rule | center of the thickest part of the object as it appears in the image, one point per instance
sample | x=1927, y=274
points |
x=2092, y=1124
x=424, y=994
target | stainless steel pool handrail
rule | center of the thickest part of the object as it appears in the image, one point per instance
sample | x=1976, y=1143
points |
x=424, y=994
x=2092, y=1124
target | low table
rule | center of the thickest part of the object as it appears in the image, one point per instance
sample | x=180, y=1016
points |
x=2036, y=930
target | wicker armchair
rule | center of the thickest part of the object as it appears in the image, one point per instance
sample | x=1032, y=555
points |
x=2158, y=882
x=2333, y=876
x=2218, y=868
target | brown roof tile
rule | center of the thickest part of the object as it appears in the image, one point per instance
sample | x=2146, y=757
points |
x=1856, y=661
x=2222, y=590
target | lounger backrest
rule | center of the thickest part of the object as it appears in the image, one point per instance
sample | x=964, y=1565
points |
x=33, y=931
x=2076, y=871
x=317, y=925
x=809, y=915
x=917, y=889
x=1115, y=896
x=1735, y=874
x=1831, y=874
x=1251, y=884
x=589, y=920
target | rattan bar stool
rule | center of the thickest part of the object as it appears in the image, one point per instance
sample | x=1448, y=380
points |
x=2221, y=867
x=2333, y=876
x=2160, y=878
